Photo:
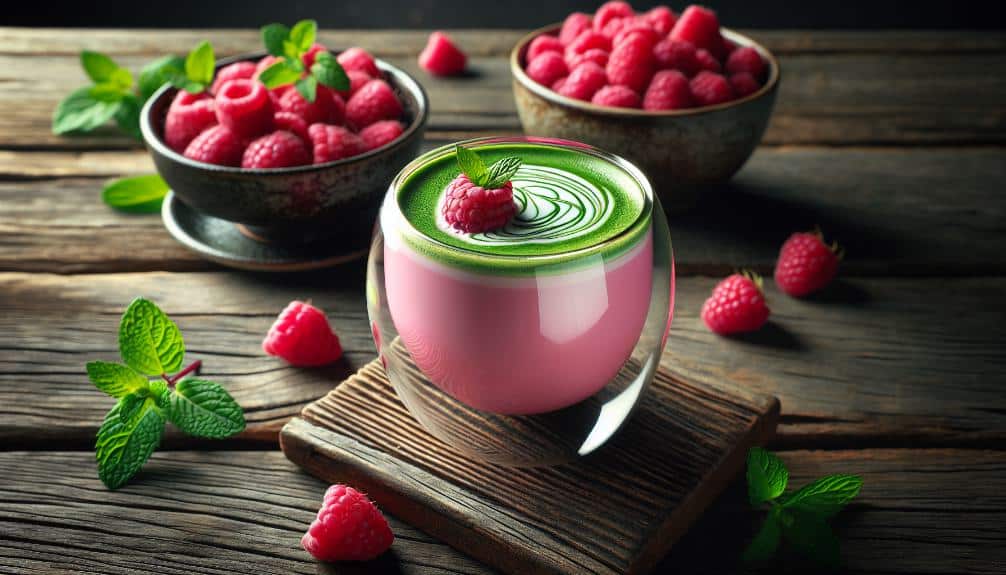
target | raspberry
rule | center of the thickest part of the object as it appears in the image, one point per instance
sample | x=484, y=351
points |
x=356, y=81
x=327, y=106
x=280, y=149
x=188, y=115
x=707, y=61
x=301, y=336
x=291, y=123
x=806, y=264
x=359, y=59
x=217, y=145
x=236, y=71
x=588, y=41
x=709, y=88
x=699, y=26
x=595, y=55
x=558, y=84
x=661, y=19
x=675, y=55
x=611, y=11
x=668, y=90
x=381, y=133
x=547, y=68
x=615, y=25
x=637, y=29
x=737, y=305
x=746, y=59
x=544, y=43
x=332, y=143
x=584, y=82
x=311, y=54
x=575, y=24
x=616, y=96
x=631, y=63
x=373, y=102
x=244, y=106
x=441, y=57
x=744, y=84
x=728, y=45
x=349, y=527
x=474, y=209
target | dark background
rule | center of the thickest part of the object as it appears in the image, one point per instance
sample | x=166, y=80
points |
x=489, y=13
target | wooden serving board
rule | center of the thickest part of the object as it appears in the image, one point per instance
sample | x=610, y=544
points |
x=617, y=511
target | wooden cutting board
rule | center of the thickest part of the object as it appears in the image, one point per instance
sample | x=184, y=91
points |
x=617, y=511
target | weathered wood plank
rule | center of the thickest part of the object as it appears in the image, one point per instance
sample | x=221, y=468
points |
x=896, y=211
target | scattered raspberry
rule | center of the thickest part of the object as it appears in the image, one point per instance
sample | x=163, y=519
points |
x=699, y=26
x=746, y=59
x=588, y=40
x=236, y=71
x=544, y=43
x=291, y=123
x=637, y=29
x=617, y=97
x=575, y=24
x=381, y=133
x=373, y=102
x=709, y=88
x=744, y=84
x=217, y=145
x=441, y=57
x=301, y=336
x=547, y=68
x=359, y=59
x=473, y=209
x=332, y=143
x=631, y=64
x=584, y=82
x=311, y=54
x=661, y=19
x=675, y=55
x=595, y=55
x=244, y=106
x=188, y=115
x=349, y=527
x=669, y=90
x=737, y=305
x=327, y=106
x=611, y=11
x=280, y=149
x=707, y=61
x=806, y=264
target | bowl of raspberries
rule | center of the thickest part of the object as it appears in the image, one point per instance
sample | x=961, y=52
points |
x=284, y=167
x=685, y=99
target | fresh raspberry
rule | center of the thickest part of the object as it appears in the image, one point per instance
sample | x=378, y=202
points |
x=584, y=82
x=616, y=25
x=707, y=61
x=806, y=264
x=291, y=123
x=381, y=133
x=558, y=84
x=332, y=143
x=474, y=209
x=661, y=19
x=349, y=527
x=617, y=97
x=595, y=55
x=669, y=90
x=675, y=55
x=575, y=24
x=188, y=115
x=237, y=71
x=744, y=84
x=244, y=106
x=311, y=54
x=217, y=145
x=699, y=26
x=588, y=40
x=637, y=29
x=547, y=68
x=373, y=102
x=441, y=57
x=356, y=81
x=544, y=43
x=611, y=11
x=631, y=63
x=359, y=59
x=746, y=59
x=280, y=149
x=709, y=88
x=327, y=106
x=301, y=336
x=737, y=305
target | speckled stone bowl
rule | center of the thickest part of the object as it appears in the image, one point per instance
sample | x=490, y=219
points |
x=681, y=151
x=337, y=200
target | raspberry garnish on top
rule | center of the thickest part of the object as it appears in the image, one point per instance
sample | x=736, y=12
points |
x=480, y=199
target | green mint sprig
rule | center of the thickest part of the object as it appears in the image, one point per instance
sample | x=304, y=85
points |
x=494, y=176
x=800, y=517
x=151, y=346
x=290, y=45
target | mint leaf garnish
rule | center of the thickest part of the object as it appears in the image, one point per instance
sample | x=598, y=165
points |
x=203, y=408
x=329, y=72
x=81, y=112
x=123, y=447
x=157, y=73
x=765, y=543
x=501, y=172
x=302, y=35
x=471, y=165
x=308, y=88
x=279, y=74
x=149, y=342
x=273, y=36
x=199, y=67
x=291, y=44
x=138, y=194
x=767, y=476
x=127, y=117
x=115, y=379
x=98, y=67
x=812, y=537
x=826, y=496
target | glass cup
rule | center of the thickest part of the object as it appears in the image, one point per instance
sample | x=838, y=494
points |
x=521, y=360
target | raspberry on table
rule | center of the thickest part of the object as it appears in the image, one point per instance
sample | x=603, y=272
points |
x=373, y=102
x=187, y=117
x=709, y=88
x=441, y=56
x=547, y=68
x=806, y=264
x=330, y=143
x=302, y=336
x=676, y=55
x=544, y=43
x=631, y=64
x=291, y=123
x=244, y=106
x=327, y=106
x=473, y=209
x=611, y=11
x=595, y=55
x=669, y=90
x=381, y=133
x=575, y=24
x=737, y=305
x=701, y=27
x=617, y=97
x=661, y=19
x=237, y=71
x=217, y=145
x=349, y=527
x=744, y=84
x=280, y=149
x=588, y=40
x=357, y=58
x=746, y=59
x=583, y=82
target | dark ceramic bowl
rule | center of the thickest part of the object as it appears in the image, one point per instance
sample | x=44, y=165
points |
x=681, y=151
x=337, y=200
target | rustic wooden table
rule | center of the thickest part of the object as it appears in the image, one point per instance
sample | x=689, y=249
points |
x=891, y=141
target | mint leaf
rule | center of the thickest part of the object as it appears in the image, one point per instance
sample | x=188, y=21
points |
x=308, y=88
x=122, y=78
x=273, y=36
x=127, y=117
x=130, y=405
x=766, y=475
x=115, y=379
x=279, y=74
x=501, y=172
x=106, y=93
x=204, y=409
x=471, y=165
x=812, y=537
x=302, y=35
x=158, y=390
x=199, y=65
x=149, y=342
x=826, y=496
x=122, y=448
x=765, y=543
x=329, y=72
x=98, y=67
x=139, y=194
x=80, y=112
x=155, y=74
